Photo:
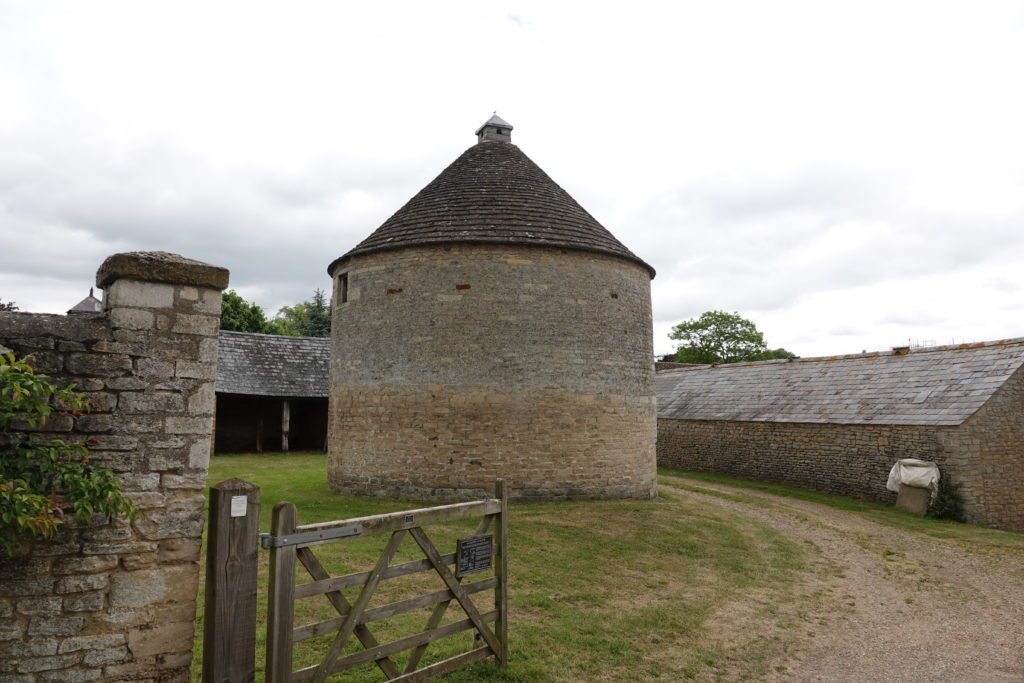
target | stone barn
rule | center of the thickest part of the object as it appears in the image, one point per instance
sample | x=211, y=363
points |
x=838, y=424
x=492, y=328
x=271, y=393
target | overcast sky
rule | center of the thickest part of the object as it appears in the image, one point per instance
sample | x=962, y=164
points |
x=848, y=175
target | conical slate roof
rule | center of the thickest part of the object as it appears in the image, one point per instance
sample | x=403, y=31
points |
x=494, y=193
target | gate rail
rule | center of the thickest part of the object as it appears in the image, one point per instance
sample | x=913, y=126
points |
x=290, y=543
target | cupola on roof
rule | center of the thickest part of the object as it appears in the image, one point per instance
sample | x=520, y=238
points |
x=493, y=193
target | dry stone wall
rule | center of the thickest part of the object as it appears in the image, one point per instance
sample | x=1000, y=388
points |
x=112, y=600
x=455, y=365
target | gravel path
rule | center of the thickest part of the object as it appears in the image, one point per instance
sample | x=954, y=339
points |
x=900, y=606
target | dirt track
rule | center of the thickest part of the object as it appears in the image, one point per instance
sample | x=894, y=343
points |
x=901, y=606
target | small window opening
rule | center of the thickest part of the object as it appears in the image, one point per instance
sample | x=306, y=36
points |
x=343, y=288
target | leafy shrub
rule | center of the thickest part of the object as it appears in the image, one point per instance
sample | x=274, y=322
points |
x=948, y=502
x=42, y=482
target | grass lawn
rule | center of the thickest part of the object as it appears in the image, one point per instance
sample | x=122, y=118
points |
x=599, y=590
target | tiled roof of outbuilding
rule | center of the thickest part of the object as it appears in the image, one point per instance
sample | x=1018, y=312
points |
x=943, y=385
x=273, y=365
x=494, y=193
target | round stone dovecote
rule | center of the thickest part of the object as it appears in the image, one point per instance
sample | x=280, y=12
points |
x=492, y=328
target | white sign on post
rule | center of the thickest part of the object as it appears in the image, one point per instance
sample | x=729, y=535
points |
x=238, y=506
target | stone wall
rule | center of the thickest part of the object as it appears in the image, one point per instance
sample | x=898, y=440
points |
x=453, y=365
x=985, y=454
x=849, y=460
x=112, y=600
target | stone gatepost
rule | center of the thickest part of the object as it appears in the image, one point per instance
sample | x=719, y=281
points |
x=113, y=600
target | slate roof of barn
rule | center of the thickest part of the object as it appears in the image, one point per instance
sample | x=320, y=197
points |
x=273, y=365
x=493, y=193
x=935, y=386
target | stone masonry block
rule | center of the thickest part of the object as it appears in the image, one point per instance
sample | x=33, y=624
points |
x=98, y=364
x=37, y=664
x=193, y=370
x=155, y=402
x=70, y=675
x=199, y=455
x=132, y=319
x=85, y=602
x=55, y=626
x=189, y=425
x=106, y=656
x=139, y=294
x=207, y=325
x=160, y=639
x=91, y=642
x=77, y=584
x=151, y=587
x=202, y=400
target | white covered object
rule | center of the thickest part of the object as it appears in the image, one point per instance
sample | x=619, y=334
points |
x=913, y=472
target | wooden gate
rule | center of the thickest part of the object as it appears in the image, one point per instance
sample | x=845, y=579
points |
x=290, y=542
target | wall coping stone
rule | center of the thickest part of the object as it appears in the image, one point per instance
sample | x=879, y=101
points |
x=160, y=266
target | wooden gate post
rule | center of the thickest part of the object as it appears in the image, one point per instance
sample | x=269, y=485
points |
x=229, y=627
x=501, y=590
x=281, y=598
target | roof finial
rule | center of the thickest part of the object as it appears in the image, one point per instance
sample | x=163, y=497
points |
x=495, y=129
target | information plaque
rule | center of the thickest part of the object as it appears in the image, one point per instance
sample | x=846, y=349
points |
x=473, y=554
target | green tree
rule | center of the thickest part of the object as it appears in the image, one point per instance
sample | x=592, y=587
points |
x=720, y=337
x=40, y=482
x=238, y=315
x=307, y=319
x=8, y=306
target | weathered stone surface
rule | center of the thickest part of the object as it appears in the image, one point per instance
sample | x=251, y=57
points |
x=98, y=364
x=127, y=384
x=189, y=425
x=183, y=481
x=194, y=370
x=173, y=550
x=136, y=294
x=145, y=642
x=101, y=657
x=36, y=664
x=11, y=630
x=95, y=424
x=151, y=402
x=32, y=647
x=152, y=586
x=55, y=626
x=566, y=406
x=85, y=602
x=43, y=606
x=206, y=325
x=91, y=642
x=70, y=675
x=132, y=319
x=83, y=565
x=160, y=266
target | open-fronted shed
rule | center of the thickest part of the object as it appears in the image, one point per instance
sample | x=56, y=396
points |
x=271, y=392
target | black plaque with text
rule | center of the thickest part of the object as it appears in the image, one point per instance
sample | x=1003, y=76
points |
x=473, y=554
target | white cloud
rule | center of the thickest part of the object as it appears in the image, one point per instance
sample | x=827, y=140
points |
x=830, y=170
